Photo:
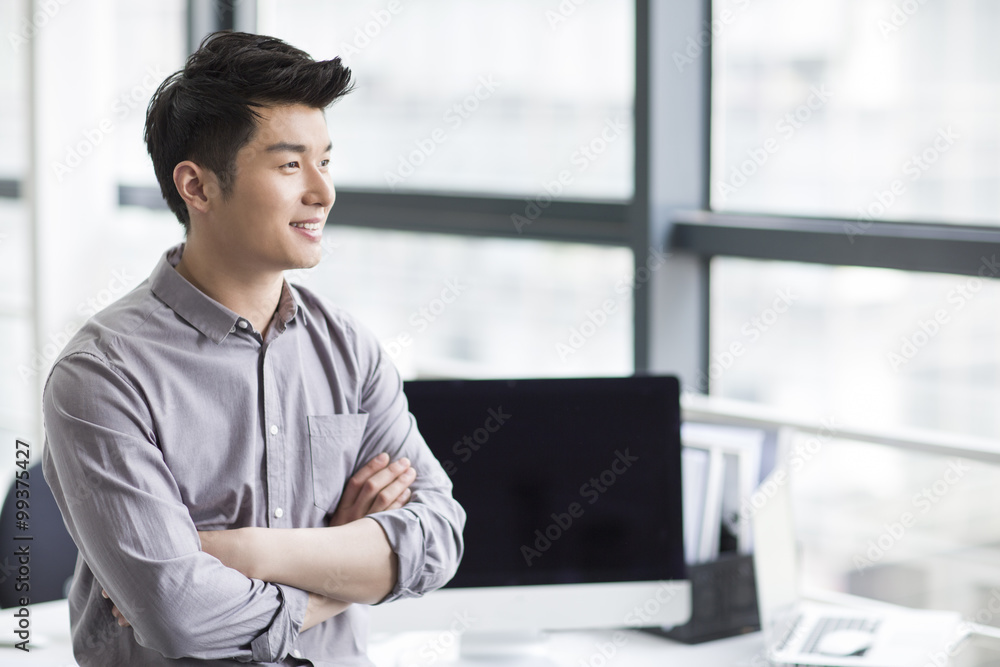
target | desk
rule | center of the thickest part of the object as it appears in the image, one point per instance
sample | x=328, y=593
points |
x=49, y=645
x=50, y=625
x=50, y=622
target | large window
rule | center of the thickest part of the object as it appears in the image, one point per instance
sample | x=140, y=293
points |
x=864, y=112
x=488, y=97
x=452, y=306
x=848, y=108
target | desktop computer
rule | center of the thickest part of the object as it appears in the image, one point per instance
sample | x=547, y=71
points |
x=573, y=493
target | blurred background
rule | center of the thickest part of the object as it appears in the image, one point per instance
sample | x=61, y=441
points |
x=516, y=150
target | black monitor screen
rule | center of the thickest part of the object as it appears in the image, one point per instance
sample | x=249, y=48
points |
x=564, y=480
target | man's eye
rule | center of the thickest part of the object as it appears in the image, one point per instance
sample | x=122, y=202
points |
x=292, y=165
x=324, y=163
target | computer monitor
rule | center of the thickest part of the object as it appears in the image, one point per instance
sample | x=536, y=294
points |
x=572, y=489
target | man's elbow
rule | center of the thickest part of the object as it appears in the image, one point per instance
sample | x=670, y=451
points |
x=175, y=639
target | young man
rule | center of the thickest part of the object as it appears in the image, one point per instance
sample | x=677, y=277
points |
x=232, y=455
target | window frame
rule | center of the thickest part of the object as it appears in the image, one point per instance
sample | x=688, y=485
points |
x=669, y=210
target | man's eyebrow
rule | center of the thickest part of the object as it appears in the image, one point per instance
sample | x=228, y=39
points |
x=286, y=147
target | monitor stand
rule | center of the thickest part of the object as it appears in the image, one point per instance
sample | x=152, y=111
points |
x=504, y=649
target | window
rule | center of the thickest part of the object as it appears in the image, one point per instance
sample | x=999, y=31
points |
x=878, y=347
x=867, y=113
x=494, y=97
x=452, y=306
x=849, y=108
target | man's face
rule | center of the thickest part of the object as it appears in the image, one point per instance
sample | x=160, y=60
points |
x=273, y=218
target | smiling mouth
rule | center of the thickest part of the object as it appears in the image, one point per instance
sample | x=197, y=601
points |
x=311, y=226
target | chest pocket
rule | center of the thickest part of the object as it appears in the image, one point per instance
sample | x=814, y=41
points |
x=334, y=443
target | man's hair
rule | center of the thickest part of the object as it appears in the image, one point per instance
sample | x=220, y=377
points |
x=207, y=111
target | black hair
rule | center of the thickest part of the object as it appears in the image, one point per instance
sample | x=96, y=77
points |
x=207, y=111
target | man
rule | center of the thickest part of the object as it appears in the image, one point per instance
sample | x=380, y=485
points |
x=233, y=455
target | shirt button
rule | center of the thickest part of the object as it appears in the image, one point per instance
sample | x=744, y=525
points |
x=232, y=330
x=242, y=324
x=274, y=429
x=279, y=513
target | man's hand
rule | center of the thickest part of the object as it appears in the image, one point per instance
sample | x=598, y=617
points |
x=377, y=487
x=115, y=612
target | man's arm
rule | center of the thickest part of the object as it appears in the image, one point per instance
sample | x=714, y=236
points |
x=262, y=553
x=123, y=509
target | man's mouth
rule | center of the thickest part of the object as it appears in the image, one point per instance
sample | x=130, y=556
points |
x=311, y=226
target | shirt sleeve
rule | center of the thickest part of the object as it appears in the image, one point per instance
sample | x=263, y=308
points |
x=426, y=534
x=123, y=509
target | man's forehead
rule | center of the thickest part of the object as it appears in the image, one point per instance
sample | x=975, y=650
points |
x=297, y=129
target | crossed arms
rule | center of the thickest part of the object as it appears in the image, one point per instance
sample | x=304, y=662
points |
x=353, y=546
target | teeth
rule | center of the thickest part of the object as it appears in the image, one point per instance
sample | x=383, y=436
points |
x=312, y=226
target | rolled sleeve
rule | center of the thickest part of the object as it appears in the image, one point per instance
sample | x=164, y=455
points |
x=277, y=641
x=426, y=534
x=123, y=509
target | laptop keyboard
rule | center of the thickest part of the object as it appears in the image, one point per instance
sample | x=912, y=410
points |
x=832, y=623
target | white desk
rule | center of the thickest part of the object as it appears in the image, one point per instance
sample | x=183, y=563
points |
x=49, y=645
x=50, y=626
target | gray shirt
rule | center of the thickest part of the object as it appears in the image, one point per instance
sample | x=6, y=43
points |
x=167, y=413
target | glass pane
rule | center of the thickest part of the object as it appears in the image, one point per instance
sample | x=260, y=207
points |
x=151, y=44
x=857, y=108
x=872, y=347
x=495, y=96
x=451, y=306
x=898, y=526
x=13, y=96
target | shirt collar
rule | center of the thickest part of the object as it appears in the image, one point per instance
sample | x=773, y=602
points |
x=205, y=313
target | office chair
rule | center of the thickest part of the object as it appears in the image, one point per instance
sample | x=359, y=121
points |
x=52, y=551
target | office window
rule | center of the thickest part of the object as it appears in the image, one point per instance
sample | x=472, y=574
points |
x=877, y=347
x=452, y=306
x=150, y=44
x=497, y=97
x=16, y=406
x=857, y=108
x=904, y=527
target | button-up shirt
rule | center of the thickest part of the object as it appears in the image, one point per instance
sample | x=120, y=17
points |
x=168, y=413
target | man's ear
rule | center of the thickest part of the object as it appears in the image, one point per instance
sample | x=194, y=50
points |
x=198, y=187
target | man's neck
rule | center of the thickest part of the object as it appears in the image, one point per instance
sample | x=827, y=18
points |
x=252, y=294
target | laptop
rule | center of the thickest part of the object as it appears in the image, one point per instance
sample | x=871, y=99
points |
x=798, y=631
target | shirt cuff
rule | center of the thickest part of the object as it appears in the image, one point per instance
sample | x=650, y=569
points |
x=281, y=637
x=406, y=538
